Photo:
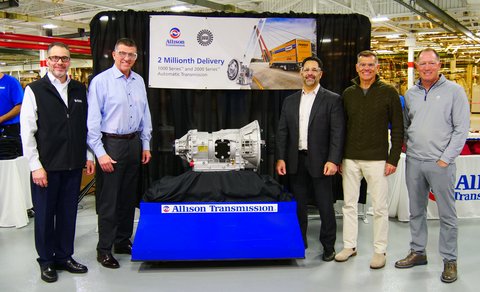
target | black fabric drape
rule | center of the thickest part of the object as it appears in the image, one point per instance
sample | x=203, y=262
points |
x=175, y=111
x=228, y=186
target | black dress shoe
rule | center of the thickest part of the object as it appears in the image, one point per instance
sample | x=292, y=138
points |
x=72, y=266
x=328, y=255
x=127, y=249
x=49, y=274
x=108, y=261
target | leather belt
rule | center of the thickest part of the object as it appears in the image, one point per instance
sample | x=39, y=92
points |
x=124, y=137
x=304, y=152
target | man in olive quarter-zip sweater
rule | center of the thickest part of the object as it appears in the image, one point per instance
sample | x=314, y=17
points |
x=437, y=121
x=370, y=106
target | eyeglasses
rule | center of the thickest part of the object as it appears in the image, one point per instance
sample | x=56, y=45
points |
x=315, y=70
x=58, y=58
x=430, y=64
x=369, y=65
x=123, y=54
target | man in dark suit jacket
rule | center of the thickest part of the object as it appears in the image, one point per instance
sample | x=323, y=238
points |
x=310, y=141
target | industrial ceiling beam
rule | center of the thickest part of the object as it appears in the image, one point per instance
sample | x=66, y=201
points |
x=214, y=5
x=43, y=39
x=27, y=18
x=423, y=15
x=446, y=18
x=34, y=46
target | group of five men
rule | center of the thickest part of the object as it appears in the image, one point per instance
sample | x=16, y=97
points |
x=321, y=133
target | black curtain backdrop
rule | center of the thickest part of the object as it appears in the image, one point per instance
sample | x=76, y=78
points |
x=175, y=111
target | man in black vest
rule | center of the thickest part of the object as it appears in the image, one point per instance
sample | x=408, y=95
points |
x=54, y=136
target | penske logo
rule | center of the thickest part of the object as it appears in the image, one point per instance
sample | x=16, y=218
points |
x=220, y=208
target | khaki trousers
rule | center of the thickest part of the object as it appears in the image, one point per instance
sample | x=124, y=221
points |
x=374, y=173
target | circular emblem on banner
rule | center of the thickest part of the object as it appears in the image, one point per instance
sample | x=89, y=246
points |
x=204, y=37
x=166, y=209
x=175, y=33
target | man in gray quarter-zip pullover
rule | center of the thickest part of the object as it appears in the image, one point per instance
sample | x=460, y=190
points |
x=437, y=120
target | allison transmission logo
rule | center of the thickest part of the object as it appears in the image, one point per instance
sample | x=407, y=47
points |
x=205, y=37
x=175, y=42
x=175, y=33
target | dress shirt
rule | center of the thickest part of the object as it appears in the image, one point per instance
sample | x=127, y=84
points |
x=117, y=105
x=306, y=103
x=29, y=117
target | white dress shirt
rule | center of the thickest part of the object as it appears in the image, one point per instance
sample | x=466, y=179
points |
x=28, y=121
x=306, y=103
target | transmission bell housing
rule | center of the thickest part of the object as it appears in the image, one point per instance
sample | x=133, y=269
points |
x=225, y=150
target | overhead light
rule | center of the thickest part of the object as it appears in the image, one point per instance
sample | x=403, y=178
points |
x=326, y=41
x=444, y=37
x=392, y=36
x=104, y=18
x=428, y=32
x=179, y=8
x=380, y=19
x=31, y=71
x=3, y=63
x=385, y=52
x=49, y=25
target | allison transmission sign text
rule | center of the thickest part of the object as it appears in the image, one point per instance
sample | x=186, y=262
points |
x=220, y=208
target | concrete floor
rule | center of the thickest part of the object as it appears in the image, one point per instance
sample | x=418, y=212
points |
x=19, y=270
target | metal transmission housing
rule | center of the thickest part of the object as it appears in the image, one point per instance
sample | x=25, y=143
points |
x=225, y=150
x=240, y=73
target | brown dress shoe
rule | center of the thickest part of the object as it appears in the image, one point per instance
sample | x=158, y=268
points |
x=449, y=274
x=127, y=249
x=412, y=259
x=108, y=261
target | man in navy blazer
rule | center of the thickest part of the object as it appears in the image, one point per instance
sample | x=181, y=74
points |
x=309, y=145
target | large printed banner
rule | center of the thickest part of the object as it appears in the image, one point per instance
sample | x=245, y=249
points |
x=195, y=52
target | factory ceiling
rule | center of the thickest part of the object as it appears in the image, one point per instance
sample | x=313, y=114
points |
x=452, y=27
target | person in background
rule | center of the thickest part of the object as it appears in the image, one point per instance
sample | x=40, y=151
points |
x=11, y=97
x=437, y=121
x=371, y=106
x=309, y=148
x=119, y=127
x=54, y=135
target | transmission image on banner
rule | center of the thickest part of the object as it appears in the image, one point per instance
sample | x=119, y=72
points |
x=194, y=52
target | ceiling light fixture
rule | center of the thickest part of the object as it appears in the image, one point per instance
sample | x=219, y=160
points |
x=178, y=8
x=380, y=19
x=49, y=25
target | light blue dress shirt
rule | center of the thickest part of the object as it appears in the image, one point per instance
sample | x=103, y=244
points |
x=117, y=105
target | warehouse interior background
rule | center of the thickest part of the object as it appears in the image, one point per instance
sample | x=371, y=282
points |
x=450, y=26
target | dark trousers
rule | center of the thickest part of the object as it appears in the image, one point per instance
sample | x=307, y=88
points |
x=301, y=184
x=116, y=199
x=56, y=215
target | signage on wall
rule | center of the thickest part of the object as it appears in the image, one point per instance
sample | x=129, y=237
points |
x=193, y=52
